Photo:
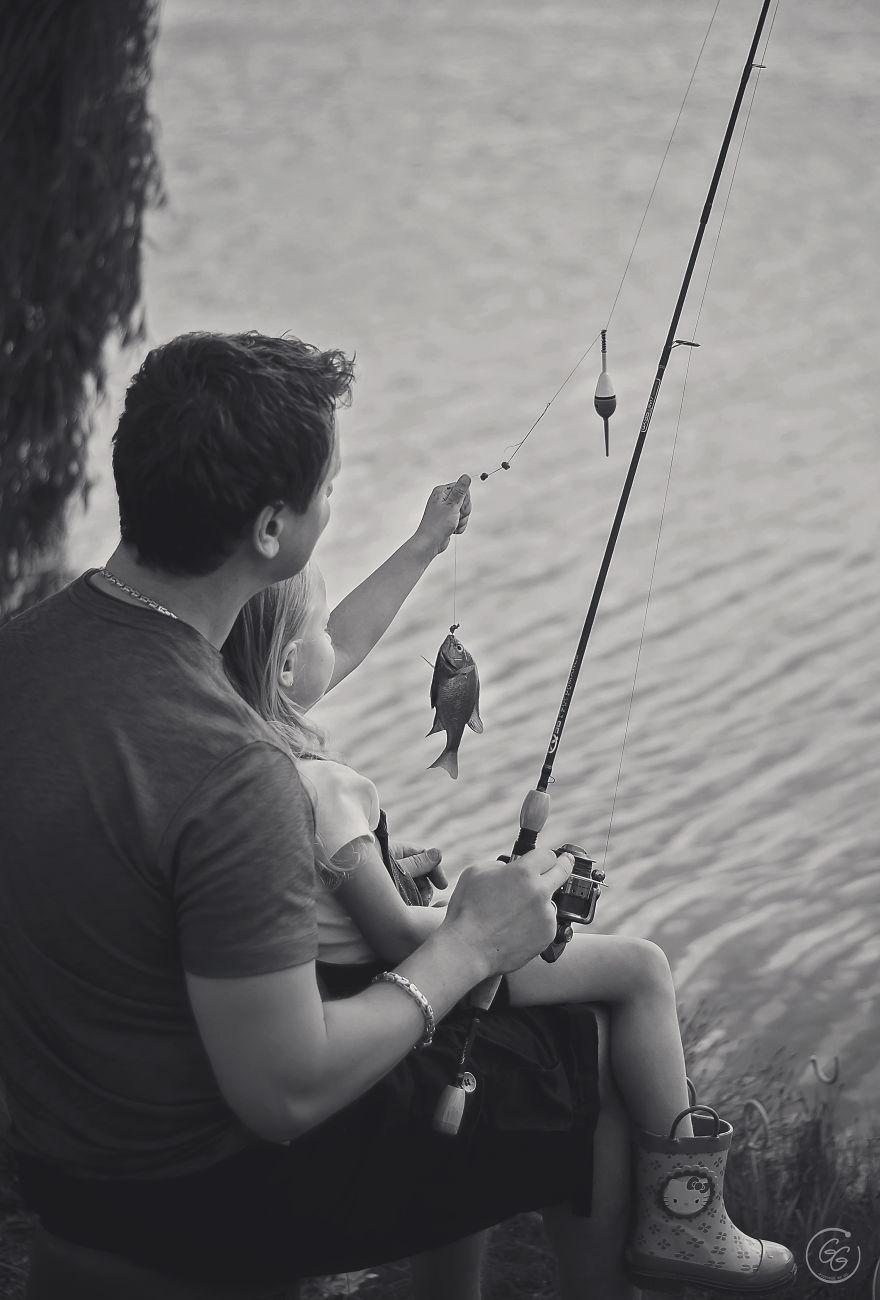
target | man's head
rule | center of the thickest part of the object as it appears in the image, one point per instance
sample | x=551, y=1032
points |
x=220, y=431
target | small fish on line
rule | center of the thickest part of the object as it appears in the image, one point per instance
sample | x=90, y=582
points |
x=455, y=698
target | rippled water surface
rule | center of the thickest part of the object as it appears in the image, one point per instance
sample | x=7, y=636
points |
x=452, y=190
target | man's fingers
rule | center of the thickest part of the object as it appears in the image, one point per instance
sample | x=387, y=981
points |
x=398, y=849
x=421, y=862
x=545, y=860
x=554, y=871
x=559, y=872
x=438, y=877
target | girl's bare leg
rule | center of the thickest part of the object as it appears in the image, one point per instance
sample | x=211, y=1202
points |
x=590, y=1251
x=632, y=978
x=449, y=1272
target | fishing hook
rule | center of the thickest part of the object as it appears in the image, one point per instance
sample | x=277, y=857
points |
x=831, y=1076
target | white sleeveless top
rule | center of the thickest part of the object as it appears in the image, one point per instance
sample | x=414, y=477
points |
x=346, y=807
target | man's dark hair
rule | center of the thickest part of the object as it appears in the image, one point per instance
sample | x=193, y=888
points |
x=215, y=428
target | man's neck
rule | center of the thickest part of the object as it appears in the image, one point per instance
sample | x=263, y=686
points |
x=208, y=602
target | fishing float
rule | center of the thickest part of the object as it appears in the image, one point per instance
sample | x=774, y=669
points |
x=605, y=398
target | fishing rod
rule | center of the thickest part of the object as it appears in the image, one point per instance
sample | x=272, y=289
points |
x=576, y=900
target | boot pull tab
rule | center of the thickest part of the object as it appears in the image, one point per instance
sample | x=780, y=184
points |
x=694, y=1110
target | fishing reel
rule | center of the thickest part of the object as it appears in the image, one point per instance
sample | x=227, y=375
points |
x=576, y=900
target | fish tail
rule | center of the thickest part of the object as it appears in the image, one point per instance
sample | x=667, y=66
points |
x=448, y=760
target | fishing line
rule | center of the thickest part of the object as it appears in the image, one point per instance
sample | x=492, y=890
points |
x=605, y=396
x=745, y=128
x=662, y=163
x=510, y=454
x=454, y=624
x=647, y=604
x=505, y=464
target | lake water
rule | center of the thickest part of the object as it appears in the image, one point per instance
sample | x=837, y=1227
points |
x=452, y=190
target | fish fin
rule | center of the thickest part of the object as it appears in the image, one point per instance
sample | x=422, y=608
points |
x=475, y=722
x=438, y=726
x=448, y=760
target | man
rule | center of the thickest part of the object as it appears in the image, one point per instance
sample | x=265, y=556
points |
x=179, y=1091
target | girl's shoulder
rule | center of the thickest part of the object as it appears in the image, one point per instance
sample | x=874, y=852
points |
x=335, y=786
x=346, y=804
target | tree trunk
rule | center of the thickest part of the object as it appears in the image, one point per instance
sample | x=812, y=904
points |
x=77, y=172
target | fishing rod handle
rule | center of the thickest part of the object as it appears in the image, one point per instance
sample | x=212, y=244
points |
x=533, y=815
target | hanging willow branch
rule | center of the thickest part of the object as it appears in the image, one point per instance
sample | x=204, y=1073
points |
x=77, y=172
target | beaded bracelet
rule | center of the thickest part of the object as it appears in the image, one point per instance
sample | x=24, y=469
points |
x=392, y=977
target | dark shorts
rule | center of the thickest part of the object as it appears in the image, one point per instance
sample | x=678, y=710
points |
x=375, y=1182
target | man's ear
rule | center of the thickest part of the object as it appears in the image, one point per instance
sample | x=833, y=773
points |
x=288, y=666
x=268, y=528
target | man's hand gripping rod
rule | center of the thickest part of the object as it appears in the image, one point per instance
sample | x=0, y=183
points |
x=575, y=901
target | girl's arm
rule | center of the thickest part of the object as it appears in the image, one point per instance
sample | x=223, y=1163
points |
x=359, y=620
x=390, y=926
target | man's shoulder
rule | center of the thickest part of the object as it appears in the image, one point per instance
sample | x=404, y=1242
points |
x=136, y=684
x=52, y=608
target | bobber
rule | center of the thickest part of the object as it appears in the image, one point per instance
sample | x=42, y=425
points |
x=605, y=399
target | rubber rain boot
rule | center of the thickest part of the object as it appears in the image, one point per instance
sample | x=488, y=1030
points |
x=681, y=1232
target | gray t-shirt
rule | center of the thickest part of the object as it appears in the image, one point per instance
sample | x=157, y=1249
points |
x=149, y=825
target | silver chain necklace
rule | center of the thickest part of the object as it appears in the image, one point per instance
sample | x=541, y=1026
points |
x=123, y=586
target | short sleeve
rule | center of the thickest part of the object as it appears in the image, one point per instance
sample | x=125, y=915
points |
x=241, y=860
x=346, y=803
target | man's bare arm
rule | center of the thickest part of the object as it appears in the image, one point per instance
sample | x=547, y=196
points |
x=285, y=1060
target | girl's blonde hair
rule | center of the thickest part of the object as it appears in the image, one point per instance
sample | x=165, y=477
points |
x=253, y=653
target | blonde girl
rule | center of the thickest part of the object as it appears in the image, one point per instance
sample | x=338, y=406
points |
x=281, y=659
